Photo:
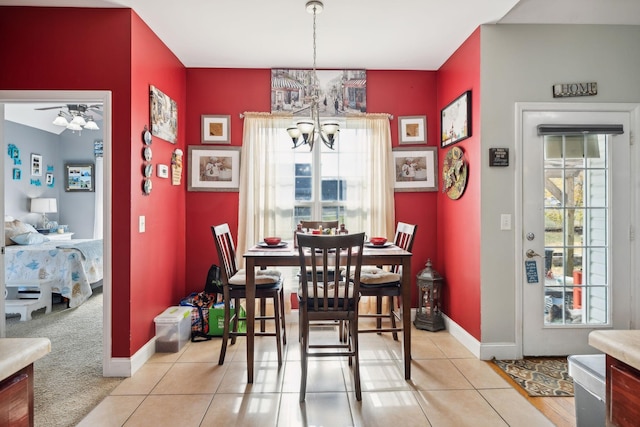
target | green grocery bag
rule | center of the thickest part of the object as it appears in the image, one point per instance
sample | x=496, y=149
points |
x=216, y=320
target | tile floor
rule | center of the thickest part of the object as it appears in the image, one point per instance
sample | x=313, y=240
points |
x=449, y=387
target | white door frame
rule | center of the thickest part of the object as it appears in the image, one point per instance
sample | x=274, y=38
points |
x=24, y=96
x=521, y=108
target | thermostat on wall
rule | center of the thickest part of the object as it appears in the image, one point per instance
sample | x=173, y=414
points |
x=163, y=171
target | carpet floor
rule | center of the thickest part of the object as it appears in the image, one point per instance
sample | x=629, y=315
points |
x=540, y=376
x=68, y=382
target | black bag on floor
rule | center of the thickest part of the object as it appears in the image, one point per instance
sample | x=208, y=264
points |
x=200, y=304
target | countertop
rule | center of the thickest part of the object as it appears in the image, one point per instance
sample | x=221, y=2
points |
x=623, y=345
x=17, y=353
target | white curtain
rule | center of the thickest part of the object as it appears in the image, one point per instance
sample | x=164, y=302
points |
x=267, y=170
x=99, y=198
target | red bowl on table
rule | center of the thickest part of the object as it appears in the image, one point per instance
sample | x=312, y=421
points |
x=272, y=241
x=378, y=241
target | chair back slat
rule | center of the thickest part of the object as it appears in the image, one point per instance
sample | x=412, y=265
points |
x=405, y=234
x=226, y=250
x=320, y=253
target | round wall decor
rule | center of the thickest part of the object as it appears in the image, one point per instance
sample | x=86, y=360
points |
x=454, y=173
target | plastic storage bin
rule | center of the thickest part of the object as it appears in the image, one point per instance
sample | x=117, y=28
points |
x=173, y=329
x=588, y=372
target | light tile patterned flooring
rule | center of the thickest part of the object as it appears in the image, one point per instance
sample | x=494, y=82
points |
x=449, y=387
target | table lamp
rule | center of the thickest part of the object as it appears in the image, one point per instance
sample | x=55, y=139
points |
x=44, y=206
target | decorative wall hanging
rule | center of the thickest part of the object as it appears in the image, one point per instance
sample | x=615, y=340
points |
x=176, y=167
x=98, y=148
x=415, y=169
x=79, y=177
x=340, y=92
x=14, y=153
x=455, y=120
x=164, y=116
x=163, y=171
x=49, y=180
x=216, y=129
x=147, y=167
x=412, y=130
x=17, y=174
x=214, y=170
x=454, y=173
x=36, y=165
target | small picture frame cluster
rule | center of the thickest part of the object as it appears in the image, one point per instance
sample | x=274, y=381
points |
x=216, y=129
x=214, y=169
x=412, y=130
x=415, y=169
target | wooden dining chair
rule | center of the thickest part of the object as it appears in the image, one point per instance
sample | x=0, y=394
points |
x=269, y=284
x=330, y=300
x=379, y=283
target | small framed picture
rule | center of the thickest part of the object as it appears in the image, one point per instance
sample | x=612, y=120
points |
x=79, y=177
x=455, y=120
x=412, y=130
x=216, y=129
x=17, y=174
x=214, y=169
x=49, y=179
x=415, y=169
x=36, y=165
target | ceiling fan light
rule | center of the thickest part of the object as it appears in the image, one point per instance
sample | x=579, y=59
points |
x=79, y=120
x=74, y=126
x=60, y=120
x=91, y=125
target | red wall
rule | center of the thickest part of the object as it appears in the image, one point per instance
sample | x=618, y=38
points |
x=459, y=220
x=117, y=52
x=234, y=91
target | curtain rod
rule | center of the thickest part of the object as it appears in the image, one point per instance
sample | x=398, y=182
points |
x=348, y=115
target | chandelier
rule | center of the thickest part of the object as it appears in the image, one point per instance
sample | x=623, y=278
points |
x=76, y=118
x=307, y=131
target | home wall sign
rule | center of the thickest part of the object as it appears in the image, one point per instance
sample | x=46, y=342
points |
x=498, y=157
x=566, y=90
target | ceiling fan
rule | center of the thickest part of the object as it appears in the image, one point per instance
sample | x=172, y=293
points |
x=76, y=116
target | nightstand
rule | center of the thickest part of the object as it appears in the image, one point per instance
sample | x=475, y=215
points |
x=60, y=236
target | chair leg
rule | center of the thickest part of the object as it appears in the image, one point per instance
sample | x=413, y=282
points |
x=263, y=312
x=225, y=333
x=304, y=352
x=353, y=326
x=282, y=318
x=393, y=316
x=379, y=313
x=276, y=317
x=236, y=322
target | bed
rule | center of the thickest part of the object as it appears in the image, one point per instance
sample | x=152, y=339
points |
x=68, y=267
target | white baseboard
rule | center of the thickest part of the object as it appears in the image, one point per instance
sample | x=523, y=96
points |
x=127, y=366
x=483, y=351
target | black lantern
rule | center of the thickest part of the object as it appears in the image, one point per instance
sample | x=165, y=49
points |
x=428, y=315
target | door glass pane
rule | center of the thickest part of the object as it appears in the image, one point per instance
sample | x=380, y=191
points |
x=576, y=216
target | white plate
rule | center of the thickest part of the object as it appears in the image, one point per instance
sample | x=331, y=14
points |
x=279, y=245
x=371, y=245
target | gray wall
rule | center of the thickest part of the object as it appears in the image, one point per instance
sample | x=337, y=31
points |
x=74, y=209
x=521, y=63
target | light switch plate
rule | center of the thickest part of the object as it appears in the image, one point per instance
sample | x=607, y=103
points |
x=141, y=224
x=505, y=222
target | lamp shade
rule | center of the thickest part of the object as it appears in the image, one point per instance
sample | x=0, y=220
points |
x=44, y=205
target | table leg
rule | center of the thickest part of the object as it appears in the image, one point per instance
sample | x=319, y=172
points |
x=406, y=315
x=251, y=314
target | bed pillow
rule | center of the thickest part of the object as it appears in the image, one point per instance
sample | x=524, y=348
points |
x=30, y=238
x=14, y=228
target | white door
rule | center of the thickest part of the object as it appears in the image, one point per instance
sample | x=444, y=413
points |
x=576, y=217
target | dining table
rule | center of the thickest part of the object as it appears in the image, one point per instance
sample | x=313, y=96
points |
x=286, y=255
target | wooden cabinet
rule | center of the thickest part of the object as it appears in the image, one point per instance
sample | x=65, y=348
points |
x=16, y=399
x=623, y=399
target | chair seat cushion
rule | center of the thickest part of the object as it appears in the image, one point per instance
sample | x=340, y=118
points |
x=328, y=288
x=377, y=276
x=263, y=277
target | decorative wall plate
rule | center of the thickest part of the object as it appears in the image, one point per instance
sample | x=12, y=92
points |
x=148, y=170
x=147, y=186
x=146, y=137
x=147, y=154
x=454, y=173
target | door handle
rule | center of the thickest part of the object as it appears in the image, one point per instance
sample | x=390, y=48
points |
x=532, y=254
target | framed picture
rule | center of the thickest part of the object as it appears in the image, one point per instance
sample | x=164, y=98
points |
x=216, y=129
x=214, y=169
x=164, y=116
x=49, y=179
x=79, y=177
x=455, y=120
x=415, y=169
x=17, y=174
x=36, y=165
x=412, y=130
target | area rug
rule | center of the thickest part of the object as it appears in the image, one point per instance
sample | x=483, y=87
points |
x=540, y=376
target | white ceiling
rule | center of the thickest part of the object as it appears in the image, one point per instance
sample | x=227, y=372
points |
x=367, y=34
